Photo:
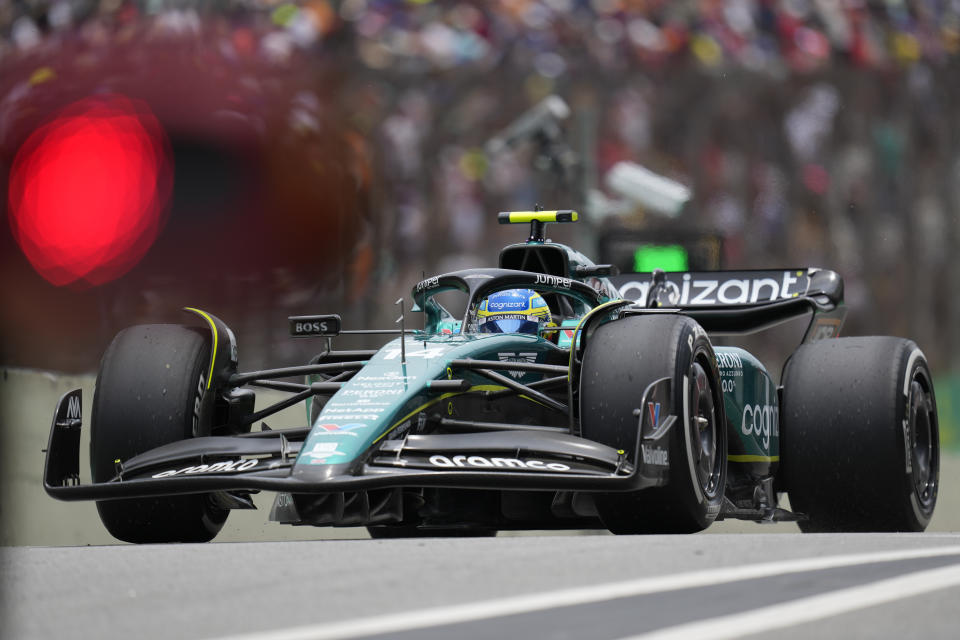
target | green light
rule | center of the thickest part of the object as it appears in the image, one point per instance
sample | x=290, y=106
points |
x=669, y=257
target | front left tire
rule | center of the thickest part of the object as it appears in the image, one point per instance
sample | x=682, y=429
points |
x=622, y=358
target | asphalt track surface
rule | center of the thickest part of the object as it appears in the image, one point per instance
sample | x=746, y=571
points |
x=716, y=586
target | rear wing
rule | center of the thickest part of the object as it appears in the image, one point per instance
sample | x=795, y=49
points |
x=738, y=302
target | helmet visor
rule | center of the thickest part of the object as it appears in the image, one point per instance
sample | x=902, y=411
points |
x=510, y=324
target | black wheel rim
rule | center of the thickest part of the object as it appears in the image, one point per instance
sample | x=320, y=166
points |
x=923, y=445
x=704, y=432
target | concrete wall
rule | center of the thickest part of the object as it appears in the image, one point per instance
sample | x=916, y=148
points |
x=28, y=516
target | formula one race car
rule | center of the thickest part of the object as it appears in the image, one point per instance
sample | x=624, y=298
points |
x=564, y=396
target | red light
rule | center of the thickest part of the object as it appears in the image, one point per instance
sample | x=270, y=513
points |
x=88, y=191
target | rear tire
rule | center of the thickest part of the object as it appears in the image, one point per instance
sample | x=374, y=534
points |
x=152, y=379
x=859, y=435
x=622, y=358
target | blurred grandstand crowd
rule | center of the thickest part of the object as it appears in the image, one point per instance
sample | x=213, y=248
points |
x=811, y=132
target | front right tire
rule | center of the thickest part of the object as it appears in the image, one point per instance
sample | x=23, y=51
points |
x=149, y=392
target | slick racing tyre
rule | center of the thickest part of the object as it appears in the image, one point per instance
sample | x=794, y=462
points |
x=860, y=443
x=151, y=382
x=622, y=358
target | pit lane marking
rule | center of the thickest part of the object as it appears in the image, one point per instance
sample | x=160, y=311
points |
x=811, y=608
x=454, y=614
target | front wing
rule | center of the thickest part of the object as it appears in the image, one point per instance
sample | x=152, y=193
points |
x=264, y=460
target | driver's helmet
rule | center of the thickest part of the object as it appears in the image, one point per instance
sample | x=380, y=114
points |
x=513, y=311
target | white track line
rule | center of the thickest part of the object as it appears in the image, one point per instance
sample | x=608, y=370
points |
x=422, y=618
x=825, y=605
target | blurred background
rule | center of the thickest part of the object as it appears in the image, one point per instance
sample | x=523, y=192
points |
x=260, y=158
